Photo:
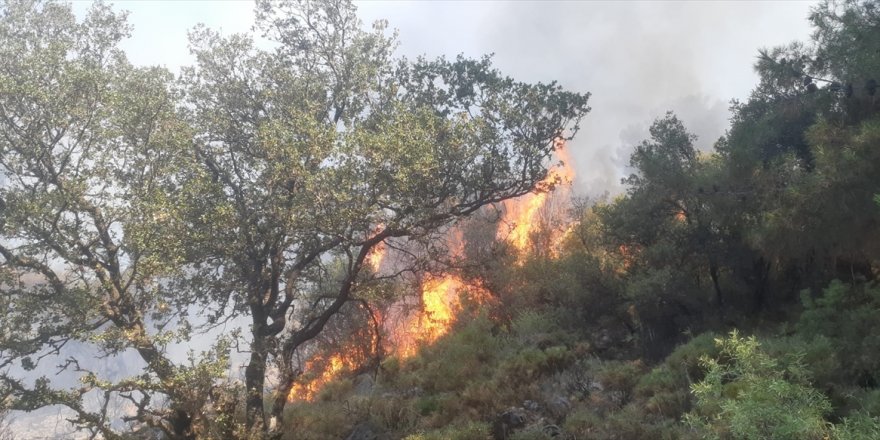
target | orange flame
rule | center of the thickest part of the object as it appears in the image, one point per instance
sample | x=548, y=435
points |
x=440, y=295
x=627, y=254
x=308, y=390
x=521, y=214
x=440, y=306
x=377, y=253
x=322, y=368
x=375, y=256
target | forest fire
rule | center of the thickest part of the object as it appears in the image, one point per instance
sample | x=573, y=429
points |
x=441, y=303
x=308, y=390
x=522, y=215
x=323, y=368
x=408, y=326
x=377, y=253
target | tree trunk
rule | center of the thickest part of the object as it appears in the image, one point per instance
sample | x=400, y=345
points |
x=719, y=295
x=759, y=295
x=255, y=378
x=285, y=384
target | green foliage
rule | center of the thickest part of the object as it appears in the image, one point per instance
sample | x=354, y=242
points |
x=86, y=139
x=532, y=433
x=253, y=186
x=628, y=423
x=747, y=394
x=856, y=427
x=620, y=377
x=466, y=431
x=844, y=316
x=665, y=389
x=464, y=354
x=317, y=421
x=582, y=422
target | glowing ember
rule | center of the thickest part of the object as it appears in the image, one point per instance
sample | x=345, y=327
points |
x=627, y=253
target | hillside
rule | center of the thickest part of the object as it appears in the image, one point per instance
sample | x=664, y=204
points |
x=306, y=235
x=727, y=295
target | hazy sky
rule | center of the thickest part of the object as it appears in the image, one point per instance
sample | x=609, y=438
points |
x=638, y=59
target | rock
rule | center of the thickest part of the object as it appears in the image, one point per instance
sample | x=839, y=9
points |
x=531, y=405
x=363, y=385
x=558, y=407
x=552, y=431
x=414, y=392
x=603, y=340
x=508, y=422
x=364, y=431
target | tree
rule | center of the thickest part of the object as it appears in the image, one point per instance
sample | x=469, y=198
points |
x=798, y=150
x=84, y=136
x=125, y=203
x=669, y=224
x=321, y=149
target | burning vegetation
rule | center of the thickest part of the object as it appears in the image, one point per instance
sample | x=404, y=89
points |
x=409, y=326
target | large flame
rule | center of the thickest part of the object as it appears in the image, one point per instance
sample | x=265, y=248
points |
x=347, y=359
x=411, y=328
x=521, y=215
x=441, y=303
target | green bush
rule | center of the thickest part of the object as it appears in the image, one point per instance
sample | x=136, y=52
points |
x=316, y=421
x=532, y=433
x=393, y=414
x=857, y=427
x=427, y=405
x=747, y=394
x=620, y=376
x=582, y=422
x=455, y=360
x=685, y=359
x=466, y=431
x=846, y=315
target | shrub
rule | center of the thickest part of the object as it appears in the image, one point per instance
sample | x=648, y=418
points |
x=685, y=359
x=393, y=414
x=317, y=421
x=747, y=394
x=453, y=361
x=465, y=431
x=582, y=422
x=846, y=315
x=858, y=427
x=533, y=433
x=620, y=377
